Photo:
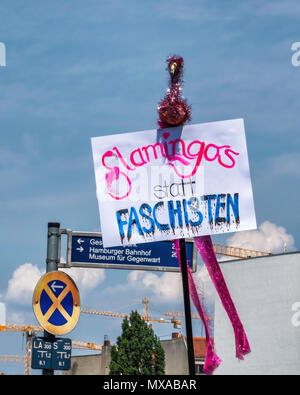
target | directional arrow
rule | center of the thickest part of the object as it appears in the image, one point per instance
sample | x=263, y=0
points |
x=79, y=241
x=54, y=286
x=79, y=249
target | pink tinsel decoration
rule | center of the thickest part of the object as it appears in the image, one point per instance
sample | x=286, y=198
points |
x=173, y=110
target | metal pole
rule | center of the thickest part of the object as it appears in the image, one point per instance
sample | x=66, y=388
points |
x=53, y=251
x=187, y=309
x=53, y=245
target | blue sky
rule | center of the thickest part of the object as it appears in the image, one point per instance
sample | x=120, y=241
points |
x=79, y=69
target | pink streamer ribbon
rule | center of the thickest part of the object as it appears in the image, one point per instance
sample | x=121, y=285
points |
x=212, y=361
x=207, y=253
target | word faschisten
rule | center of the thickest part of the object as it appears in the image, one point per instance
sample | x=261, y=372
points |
x=189, y=213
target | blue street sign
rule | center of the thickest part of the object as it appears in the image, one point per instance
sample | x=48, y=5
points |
x=41, y=354
x=61, y=354
x=52, y=354
x=86, y=250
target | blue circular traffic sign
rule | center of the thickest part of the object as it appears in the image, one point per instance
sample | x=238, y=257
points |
x=56, y=303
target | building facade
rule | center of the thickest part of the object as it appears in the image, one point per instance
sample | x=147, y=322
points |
x=266, y=293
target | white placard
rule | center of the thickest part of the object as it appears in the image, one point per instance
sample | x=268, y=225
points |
x=171, y=183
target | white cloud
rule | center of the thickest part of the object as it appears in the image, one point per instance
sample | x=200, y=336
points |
x=25, y=277
x=167, y=287
x=268, y=237
x=86, y=279
x=22, y=284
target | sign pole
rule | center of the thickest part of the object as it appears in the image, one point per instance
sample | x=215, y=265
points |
x=187, y=308
x=53, y=247
x=174, y=111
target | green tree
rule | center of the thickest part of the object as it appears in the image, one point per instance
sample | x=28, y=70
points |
x=138, y=350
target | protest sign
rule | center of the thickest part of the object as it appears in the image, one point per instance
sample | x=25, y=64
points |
x=173, y=183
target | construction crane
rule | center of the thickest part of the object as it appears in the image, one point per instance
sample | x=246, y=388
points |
x=176, y=323
x=146, y=317
x=238, y=252
x=104, y=313
x=175, y=314
x=195, y=316
x=12, y=358
x=30, y=331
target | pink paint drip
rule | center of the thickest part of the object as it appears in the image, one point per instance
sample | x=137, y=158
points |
x=114, y=175
x=207, y=253
x=212, y=361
